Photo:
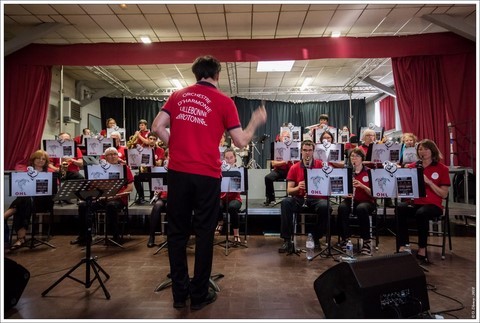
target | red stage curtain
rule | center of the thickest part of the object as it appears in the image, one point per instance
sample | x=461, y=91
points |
x=387, y=113
x=27, y=94
x=461, y=112
x=425, y=92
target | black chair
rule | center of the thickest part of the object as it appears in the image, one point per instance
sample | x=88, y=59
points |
x=101, y=220
x=439, y=227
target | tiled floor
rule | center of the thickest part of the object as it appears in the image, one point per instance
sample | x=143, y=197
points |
x=258, y=282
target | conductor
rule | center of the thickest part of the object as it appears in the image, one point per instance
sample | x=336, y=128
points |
x=197, y=116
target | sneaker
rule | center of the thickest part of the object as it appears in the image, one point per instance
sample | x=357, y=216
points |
x=367, y=248
x=287, y=245
x=211, y=297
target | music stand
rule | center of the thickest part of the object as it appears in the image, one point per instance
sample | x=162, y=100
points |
x=33, y=185
x=327, y=181
x=87, y=190
x=239, y=178
x=393, y=182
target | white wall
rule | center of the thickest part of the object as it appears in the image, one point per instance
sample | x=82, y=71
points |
x=52, y=125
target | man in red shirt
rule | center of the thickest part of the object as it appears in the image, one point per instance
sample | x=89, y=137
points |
x=111, y=205
x=296, y=190
x=72, y=165
x=142, y=134
x=197, y=116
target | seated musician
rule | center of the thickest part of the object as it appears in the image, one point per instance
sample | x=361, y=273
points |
x=159, y=156
x=231, y=202
x=67, y=166
x=368, y=138
x=122, y=150
x=111, y=205
x=298, y=199
x=22, y=207
x=279, y=171
x=363, y=204
x=160, y=204
x=110, y=123
x=322, y=124
x=408, y=140
x=79, y=139
x=142, y=134
x=437, y=181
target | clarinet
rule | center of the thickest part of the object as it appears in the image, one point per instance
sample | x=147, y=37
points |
x=305, y=177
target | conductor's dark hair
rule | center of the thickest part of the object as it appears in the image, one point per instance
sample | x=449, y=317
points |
x=206, y=67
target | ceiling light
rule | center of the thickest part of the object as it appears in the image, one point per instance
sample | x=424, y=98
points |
x=336, y=34
x=123, y=5
x=146, y=39
x=306, y=82
x=177, y=83
x=275, y=66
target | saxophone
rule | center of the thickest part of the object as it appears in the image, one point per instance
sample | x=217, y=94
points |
x=132, y=141
x=63, y=169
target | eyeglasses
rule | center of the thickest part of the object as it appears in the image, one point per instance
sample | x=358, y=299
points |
x=369, y=135
x=112, y=154
x=355, y=156
x=307, y=150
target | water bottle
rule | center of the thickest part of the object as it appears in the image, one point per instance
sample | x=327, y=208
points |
x=407, y=248
x=310, y=245
x=349, y=248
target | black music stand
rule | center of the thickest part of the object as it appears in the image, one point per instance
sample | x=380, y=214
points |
x=232, y=174
x=327, y=251
x=87, y=190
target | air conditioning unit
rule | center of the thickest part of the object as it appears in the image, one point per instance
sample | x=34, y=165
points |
x=71, y=110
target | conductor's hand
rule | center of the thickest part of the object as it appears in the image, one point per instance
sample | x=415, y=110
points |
x=259, y=116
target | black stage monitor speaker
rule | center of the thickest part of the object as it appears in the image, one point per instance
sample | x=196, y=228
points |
x=392, y=286
x=16, y=278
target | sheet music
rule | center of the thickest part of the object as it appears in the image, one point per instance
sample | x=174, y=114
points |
x=285, y=152
x=140, y=156
x=31, y=183
x=385, y=152
x=96, y=146
x=105, y=171
x=329, y=152
x=59, y=148
x=401, y=183
x=233, y=180
x=328, y=181
x=159, y=183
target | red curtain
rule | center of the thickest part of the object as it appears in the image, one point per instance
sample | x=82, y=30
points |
x=27, y=94
x=461, y=112
x=425, y=95
x=387, y=113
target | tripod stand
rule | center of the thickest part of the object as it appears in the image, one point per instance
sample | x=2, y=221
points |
x=253, y=163
x=34, y=242
x=87, y=190
x=327, y=251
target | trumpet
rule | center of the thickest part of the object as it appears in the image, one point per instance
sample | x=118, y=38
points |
x=132, y=141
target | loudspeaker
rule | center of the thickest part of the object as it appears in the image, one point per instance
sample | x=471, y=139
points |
x=392, y=286
x=16, y=279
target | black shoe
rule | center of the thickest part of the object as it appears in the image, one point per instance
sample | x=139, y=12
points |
x=78, y=240
x=286, y=247
x=179, y=304
x=151, y=244
x=211, y=297
x=140, y=201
